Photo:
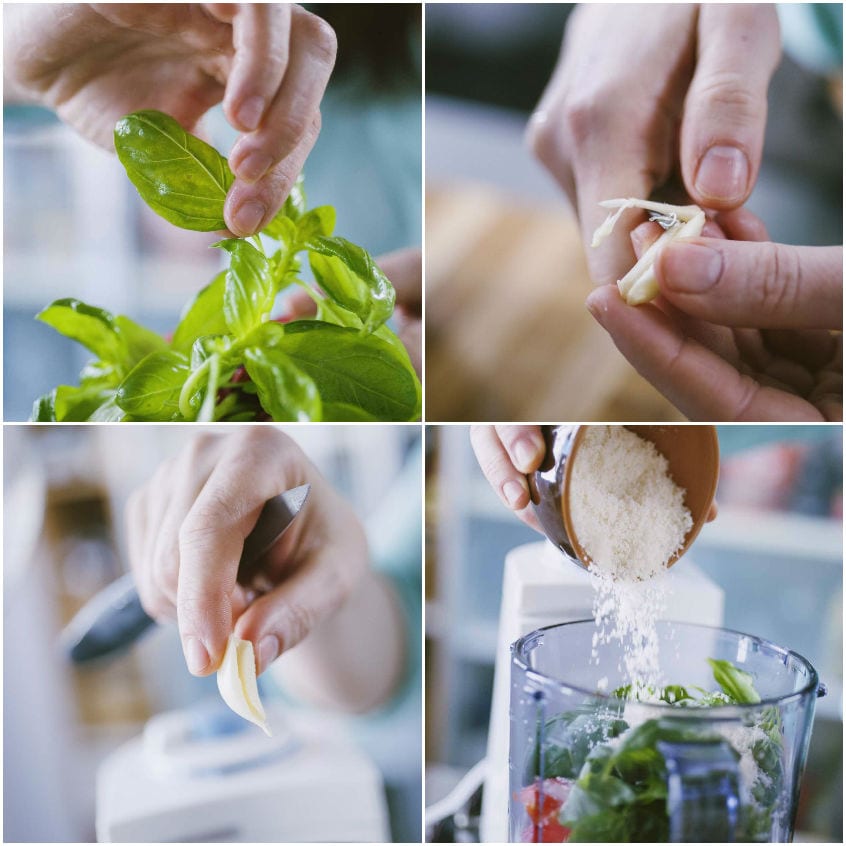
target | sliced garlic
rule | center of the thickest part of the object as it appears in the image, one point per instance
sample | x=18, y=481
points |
x=236, y=681
x=639, y=285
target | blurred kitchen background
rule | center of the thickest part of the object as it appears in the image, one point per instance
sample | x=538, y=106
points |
x=75, y=226
x=775, y=552
x=507, y=333
x=65, y=488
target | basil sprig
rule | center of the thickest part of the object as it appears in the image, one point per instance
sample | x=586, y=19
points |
x=227, y=360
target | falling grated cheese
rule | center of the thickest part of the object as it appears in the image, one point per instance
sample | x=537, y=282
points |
x=630, y=518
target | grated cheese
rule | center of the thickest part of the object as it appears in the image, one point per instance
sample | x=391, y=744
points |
x=630, y=518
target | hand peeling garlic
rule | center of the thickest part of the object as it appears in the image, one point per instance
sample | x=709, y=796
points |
x=639, y=285
x=236, y=681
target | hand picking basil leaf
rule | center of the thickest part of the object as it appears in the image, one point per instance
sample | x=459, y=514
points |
x=350, y=277
x=348, y=368
x=226, y=361
x=284, y=390
x=180, y=177
x=202, y=316
x=151, y=391
x=249, y=289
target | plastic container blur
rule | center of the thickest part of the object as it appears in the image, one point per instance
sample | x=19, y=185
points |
x=593, y=767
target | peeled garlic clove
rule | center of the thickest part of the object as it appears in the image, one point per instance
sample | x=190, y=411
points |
x=642, y=268
x=644, y=289
x=639, y=285
x=236, y=681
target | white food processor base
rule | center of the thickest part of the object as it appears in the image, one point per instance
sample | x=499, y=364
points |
x=206, y=775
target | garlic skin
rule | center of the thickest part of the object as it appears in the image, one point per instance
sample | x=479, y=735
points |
x=236, y=681
x=639, y=285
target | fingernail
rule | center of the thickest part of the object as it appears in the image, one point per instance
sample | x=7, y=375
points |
x=250, y=113
x=526, y=451
x=723, y=174
x=268, y=651
x=690, y=268
x=248, y=216
x=196, y=655
x=253, y=167
x=513, y=491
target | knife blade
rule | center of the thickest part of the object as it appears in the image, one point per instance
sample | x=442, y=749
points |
x=113, y=619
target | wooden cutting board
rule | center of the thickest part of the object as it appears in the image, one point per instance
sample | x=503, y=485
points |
x=508, y=337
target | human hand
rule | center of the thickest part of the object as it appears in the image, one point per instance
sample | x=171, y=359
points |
x=742, y=329
x=656, y=98
x=405, y=270
x=268, y=63
x=186, y=528
x=506, y=455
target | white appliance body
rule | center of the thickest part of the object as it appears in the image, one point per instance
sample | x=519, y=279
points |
x=176, y=783
x=541, y=588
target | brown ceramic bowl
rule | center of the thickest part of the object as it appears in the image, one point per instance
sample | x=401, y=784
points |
x=693, y=456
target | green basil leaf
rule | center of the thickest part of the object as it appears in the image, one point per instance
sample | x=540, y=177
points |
x=350, y=277
x=735, y=683
x=318, y=222
x=138, y=341
x=76, y=405
x=286, y=393
x=92, y=327
x=249, y=290
x=109, y=412
x=291, y=211
x=330, y=313
x=207, y=345
x=284, y=230
x=348, y=368
x=44, y=408
x=101, y=374
x=180, y=177
x=202, y=316
x=151, y=391
x=342, y=412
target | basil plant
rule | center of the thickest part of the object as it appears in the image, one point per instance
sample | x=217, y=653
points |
x=227, y=360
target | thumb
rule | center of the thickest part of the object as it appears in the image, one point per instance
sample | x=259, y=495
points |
x=725, y=110
x=751, y=284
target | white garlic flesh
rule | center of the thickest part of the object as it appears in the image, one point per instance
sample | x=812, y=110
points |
x=639, y=285
x=236, y=681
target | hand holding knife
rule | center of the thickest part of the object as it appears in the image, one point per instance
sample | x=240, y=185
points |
x=114, y=618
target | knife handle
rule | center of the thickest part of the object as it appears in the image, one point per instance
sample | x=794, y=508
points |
x=114, y=618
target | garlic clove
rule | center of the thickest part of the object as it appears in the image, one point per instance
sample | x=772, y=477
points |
x=639, y=285
x=236, y=681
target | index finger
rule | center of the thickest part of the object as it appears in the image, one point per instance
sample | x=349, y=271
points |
x=260, y=35
x=254, y=468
